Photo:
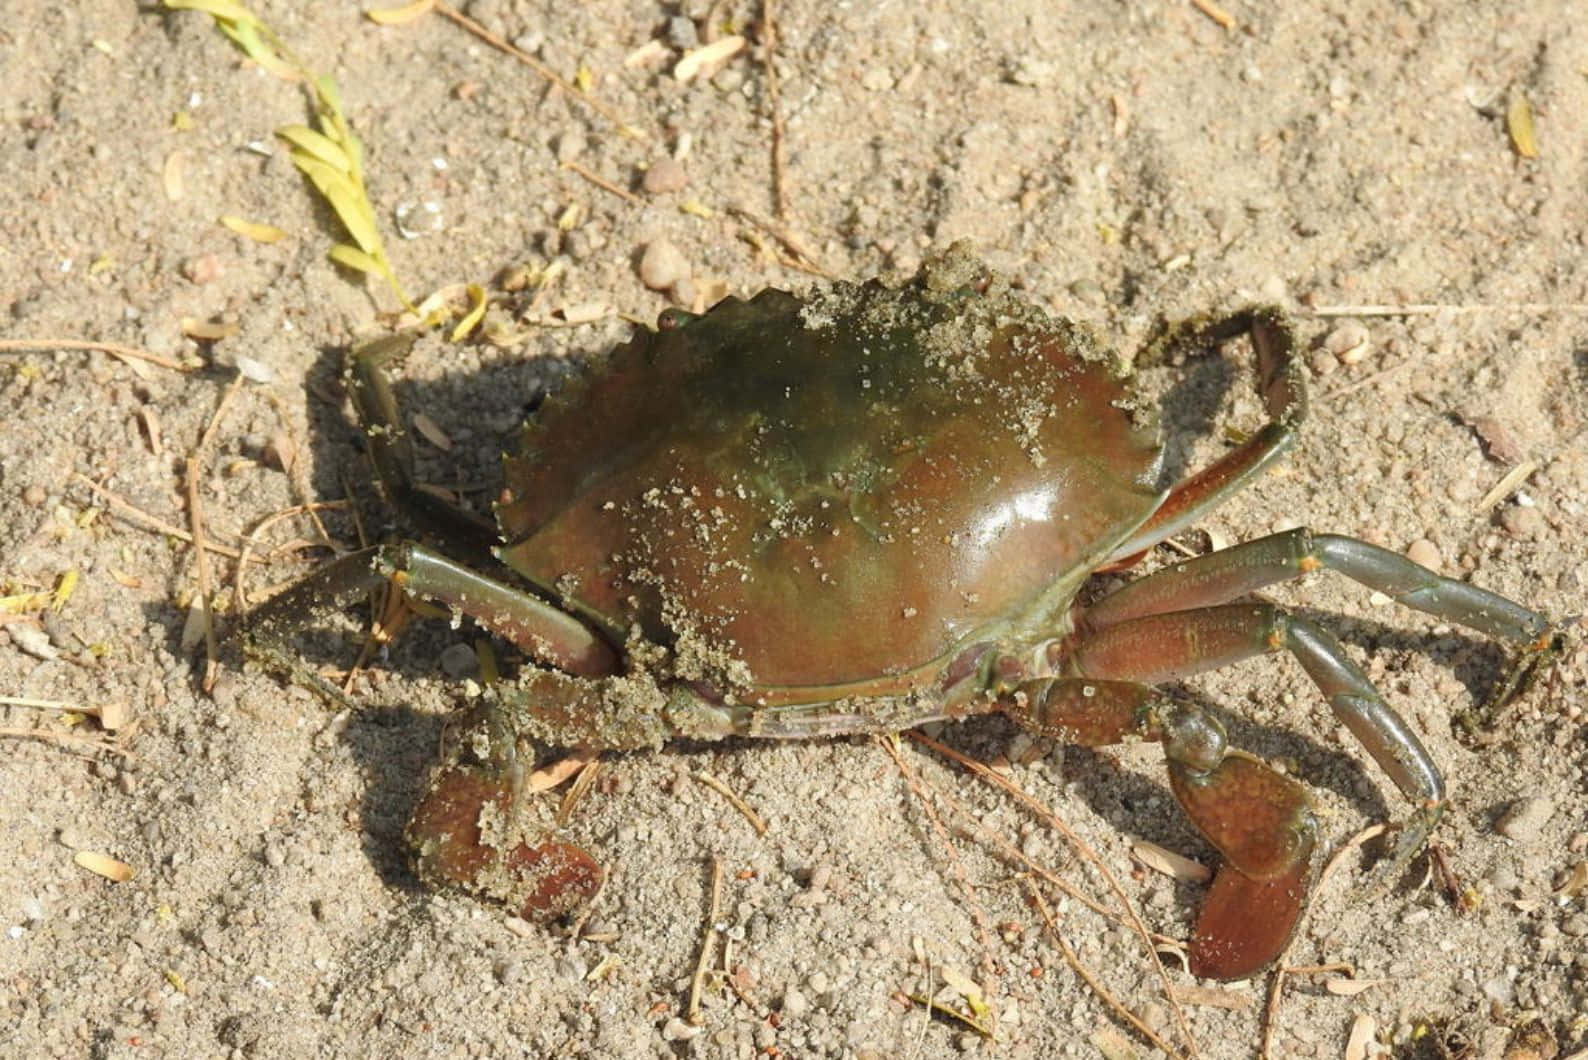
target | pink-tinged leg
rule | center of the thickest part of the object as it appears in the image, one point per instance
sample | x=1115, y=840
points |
x=1259, y=820
x=1160, y=647
x=1281, y=386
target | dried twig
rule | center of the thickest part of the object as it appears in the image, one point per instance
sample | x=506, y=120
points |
x=774, y=100
x=137, y=515
x=1424, y=309
x=114, y=349
x=195, y=463
x=1215, y=12
x=977, y=912
x=82, y=746
x=756, y=822
x=708, y=946
x=1081, y=847
x=252, y=537
x=603, y=183
x=1074, y=961
x=805, y=259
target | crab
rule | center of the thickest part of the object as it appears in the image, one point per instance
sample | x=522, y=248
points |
x=863, y=510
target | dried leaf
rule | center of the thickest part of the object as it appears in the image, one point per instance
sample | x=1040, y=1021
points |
x=104, y=865
x=432, y=432
x=1169, y=863
x=397, y=16
x=255, y=230
x=1340, y=986
x=1519, y=123
x=1363, y=1028
x=693, y=64
x=171, y=177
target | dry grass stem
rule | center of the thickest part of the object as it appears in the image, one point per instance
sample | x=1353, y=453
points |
x=603, y=183
x=1215, y=12
x=195, y=464
x=252, y=538
x=805, y=261
x=708, y=946
x=137, y=515
x=1082, y=848
x=126, y=353
x=956, y=863
x=756, y=822
x=1074, y=961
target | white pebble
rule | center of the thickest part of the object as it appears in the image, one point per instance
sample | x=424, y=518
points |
x=662, y=265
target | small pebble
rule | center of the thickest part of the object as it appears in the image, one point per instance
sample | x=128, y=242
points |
x=681, y=33
x=459, y=661
x=1424, y=552
x=1525, y=818
x=1088, y=291
x=34, y=496
x=662, y=265
x=1523, y=523
x=664, y=175
x=203, y=269
x=795, y=1003
x=570, y=145
x=1349, y=342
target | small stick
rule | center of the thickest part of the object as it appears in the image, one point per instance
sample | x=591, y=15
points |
x=196, y=520
x=77, y=745
x=252, y=537
x=1084, y=849
x=112, y=348
x=603, y=183
x=1215, y=12
x=1074, y=961
x=768, y=48
x=111, y=715
x=137, y=515
x=707, y=946
x=808, y=262
x=1507, y=485
x=977, y=910
x=733, y=797
x=1383, y=373
x=1423, y=309
x=502, y=45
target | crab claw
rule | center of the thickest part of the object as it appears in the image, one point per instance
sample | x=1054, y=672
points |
x=1262, y=824
x=460, y=837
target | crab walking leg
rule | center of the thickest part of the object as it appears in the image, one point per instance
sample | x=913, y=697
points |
x=391, y=448
x=1259, y=820
x=529, y=622
x=1284, y=394
x=1155, y=648
x=1219, y=577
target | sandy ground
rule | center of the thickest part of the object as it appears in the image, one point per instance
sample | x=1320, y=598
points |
x=1123, y=163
